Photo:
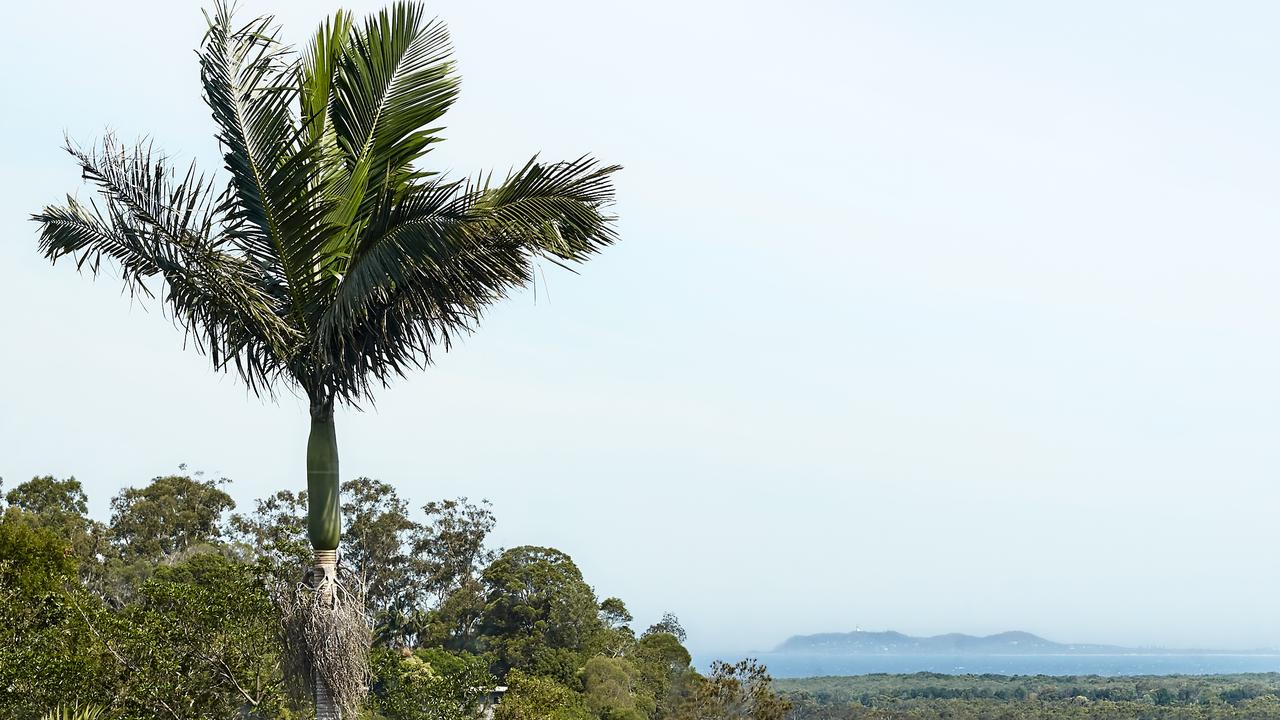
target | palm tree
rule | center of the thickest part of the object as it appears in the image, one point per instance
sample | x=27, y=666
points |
x=331, y=262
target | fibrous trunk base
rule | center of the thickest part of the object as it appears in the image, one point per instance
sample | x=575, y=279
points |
x=327, y=636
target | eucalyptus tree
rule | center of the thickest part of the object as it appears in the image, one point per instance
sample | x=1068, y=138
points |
x=331, y=260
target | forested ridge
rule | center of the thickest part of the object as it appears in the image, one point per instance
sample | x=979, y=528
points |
x=171, y=609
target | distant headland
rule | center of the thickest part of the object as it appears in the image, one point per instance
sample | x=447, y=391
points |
x=861, y=642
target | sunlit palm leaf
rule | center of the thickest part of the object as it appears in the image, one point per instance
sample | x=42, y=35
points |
x=394, y=80
x=319, y=67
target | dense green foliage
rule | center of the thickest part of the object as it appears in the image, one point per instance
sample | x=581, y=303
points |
x=539, y=614
x=169, y=610
x=930, y=696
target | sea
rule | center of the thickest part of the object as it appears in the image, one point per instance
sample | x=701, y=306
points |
x=798, y=665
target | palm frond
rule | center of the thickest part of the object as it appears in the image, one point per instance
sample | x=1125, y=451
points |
x=318, y=70
x=155, y=222
x=82, y=232
x=395, y=79
x=281, y=200
x=554, y=209
x=446, y=252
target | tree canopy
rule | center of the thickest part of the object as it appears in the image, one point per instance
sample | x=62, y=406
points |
x=176, y=615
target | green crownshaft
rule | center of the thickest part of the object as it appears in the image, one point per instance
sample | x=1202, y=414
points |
x=324, y=512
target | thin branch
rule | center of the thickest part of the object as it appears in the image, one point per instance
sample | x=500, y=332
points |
x=89, y=624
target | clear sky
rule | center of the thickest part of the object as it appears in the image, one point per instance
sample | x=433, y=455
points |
x=927, y=316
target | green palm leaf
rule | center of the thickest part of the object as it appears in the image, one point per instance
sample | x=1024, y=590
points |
x=319, y=66
x=394, y=80
x=281, y=201
x=449, y=250
x=158, y=223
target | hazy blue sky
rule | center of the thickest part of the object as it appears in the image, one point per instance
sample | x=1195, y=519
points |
x=928, y=316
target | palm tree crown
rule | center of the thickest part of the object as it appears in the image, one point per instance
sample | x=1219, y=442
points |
x=330, y=261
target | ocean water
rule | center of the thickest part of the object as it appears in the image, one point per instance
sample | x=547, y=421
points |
x=795, y=665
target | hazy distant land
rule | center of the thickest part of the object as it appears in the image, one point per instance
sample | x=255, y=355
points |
x=1008, y=653
x=958, y=644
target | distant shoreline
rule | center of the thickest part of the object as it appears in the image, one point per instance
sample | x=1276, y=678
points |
x=836, y=664
x=1164, y=653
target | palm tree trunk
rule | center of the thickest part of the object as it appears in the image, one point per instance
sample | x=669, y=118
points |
x=324, y=527
x=325, y=709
